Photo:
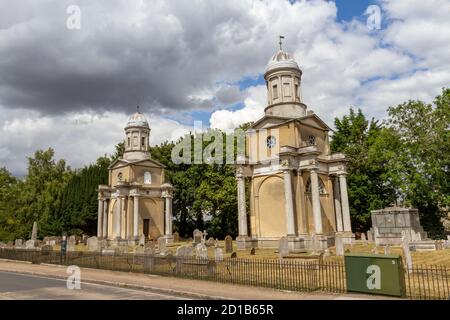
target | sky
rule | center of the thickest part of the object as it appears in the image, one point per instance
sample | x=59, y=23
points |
x=73, y=89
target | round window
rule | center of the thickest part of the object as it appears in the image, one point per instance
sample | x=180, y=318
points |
x=271, y=141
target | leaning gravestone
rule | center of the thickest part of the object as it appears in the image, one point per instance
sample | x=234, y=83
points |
x=201, y=251
x=283, y=247
x=176, y=237
x=363, y=237
x=218, y=254
x=339, y=244
x=92, y=244
x=228, y=244
x=198, y=235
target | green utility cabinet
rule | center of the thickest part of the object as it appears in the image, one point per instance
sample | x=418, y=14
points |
x=375, y=274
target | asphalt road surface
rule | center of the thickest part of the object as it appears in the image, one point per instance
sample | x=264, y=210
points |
x=28, y=287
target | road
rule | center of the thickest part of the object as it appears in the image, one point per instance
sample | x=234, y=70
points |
x=29, y=287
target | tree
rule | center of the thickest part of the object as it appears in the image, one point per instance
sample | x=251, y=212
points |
x=423, y=159
x=363, y=143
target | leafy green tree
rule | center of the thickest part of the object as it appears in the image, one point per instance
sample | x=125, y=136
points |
x=363, y=143
x=423, y=160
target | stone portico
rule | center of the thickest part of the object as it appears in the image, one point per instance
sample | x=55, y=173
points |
x=136, y=201
x=298, y=188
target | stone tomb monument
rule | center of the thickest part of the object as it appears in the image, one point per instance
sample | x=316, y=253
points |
x=390, y=224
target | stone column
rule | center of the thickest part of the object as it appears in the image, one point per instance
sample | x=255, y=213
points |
x=136, y=218
x=317, y=213
x=241, y=205
x=168, y=215
x=288, y=203
x=105, y=219
x=337, y=205
x=118, y=219
x=100, y=219
x=344, y=202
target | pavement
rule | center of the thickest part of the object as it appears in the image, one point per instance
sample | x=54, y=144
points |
x=23, y=280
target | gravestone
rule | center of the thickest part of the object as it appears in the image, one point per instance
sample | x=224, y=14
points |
x=34, y=231
x=204, y=234
x=18, y=243
x=2, y=245
x=253, y=251
x=161, y=245
x=391, y=224
x=142, y=240
x=210, y=242
x=176, y=237
x=387, y=250
x=447, y=244
x=71, y=243
x=228, y=244
x=370, y=236
x=184, y=252
x=218, y=254
x=339, y=244
x=283, y=247
x=363, y=237
x=198, y=235
x=234, y=255
x=30, y=244
x=407, y=254
x=92, y=244
x=84, y=239
x=201, y=251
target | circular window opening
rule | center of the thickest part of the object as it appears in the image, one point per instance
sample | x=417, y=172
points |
x=271, y=142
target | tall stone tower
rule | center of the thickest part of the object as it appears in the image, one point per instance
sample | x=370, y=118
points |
x=137, y=135
x=298, y=188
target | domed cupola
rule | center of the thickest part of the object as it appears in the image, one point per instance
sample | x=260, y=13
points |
x=137, y=135
x=283, y=80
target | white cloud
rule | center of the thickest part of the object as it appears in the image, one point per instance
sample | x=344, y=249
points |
x=80, y=138
x=173, y=57
x=346, y=64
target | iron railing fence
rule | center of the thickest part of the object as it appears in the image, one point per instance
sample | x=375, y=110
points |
x=422, y=281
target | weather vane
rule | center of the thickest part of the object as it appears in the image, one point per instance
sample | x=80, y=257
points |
x=281, y=42
x=137, y=108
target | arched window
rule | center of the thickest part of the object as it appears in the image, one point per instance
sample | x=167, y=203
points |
x=147, y=178
x=321, y=186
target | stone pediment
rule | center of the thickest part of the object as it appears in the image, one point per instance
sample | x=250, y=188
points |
x=270, y=121
x=144, y=163
x=314, y=121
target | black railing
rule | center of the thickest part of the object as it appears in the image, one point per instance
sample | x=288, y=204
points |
x=422, y=282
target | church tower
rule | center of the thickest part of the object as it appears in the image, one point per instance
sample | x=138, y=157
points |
x=137, y=132
x=283, y=79
x=298, y=188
